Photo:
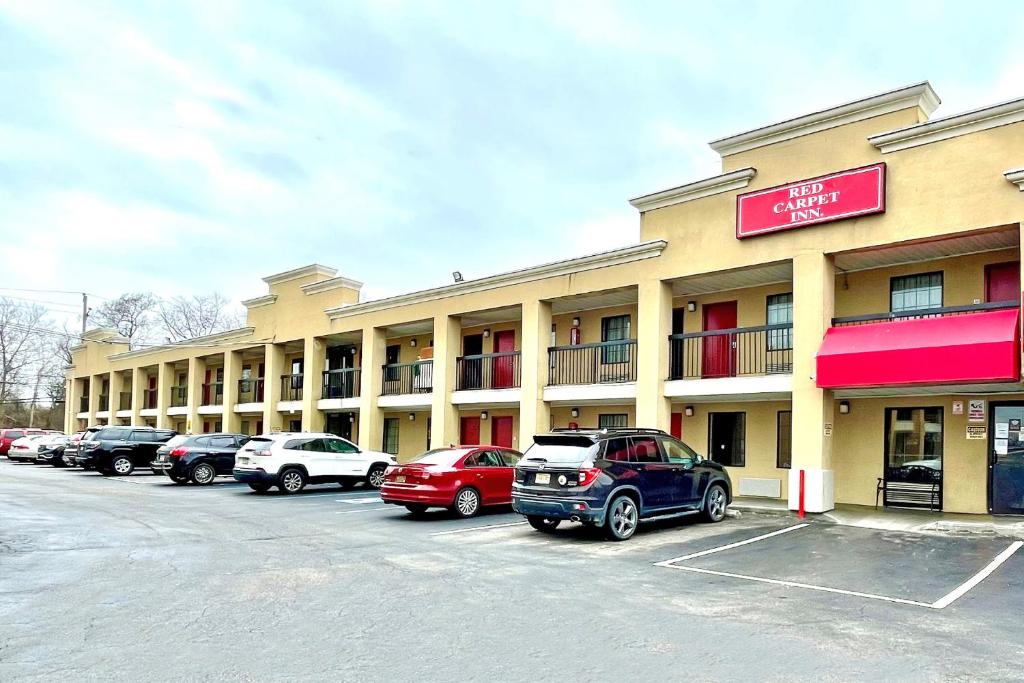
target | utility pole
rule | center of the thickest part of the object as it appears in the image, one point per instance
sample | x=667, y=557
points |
x=85, y=311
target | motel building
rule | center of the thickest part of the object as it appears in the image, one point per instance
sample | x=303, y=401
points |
x=841, y=306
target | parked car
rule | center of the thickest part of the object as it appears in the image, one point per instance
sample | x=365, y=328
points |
x=9, y=436
x=289, y=461
x=119, y=450
x=614, y=479
x=462, y=479
x=25, y=448
x=198, y=457
x=74, y=445
x=51, y=450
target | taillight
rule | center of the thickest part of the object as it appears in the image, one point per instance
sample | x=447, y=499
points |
x=177, y=452
x=264, y=452
x=588, y=475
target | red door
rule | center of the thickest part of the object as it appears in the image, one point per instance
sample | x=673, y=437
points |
x=151, y=394
x=1002, y=282
x=206, y=392
x=501, y=431
x=469, y=431
x=491, y=476
x=717, y=359
x=504, y=366
x=677, y=425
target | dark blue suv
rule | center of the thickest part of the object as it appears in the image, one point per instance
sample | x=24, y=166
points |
x=614, y=479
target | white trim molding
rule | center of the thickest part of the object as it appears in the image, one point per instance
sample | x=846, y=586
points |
x=405, y=400
x=333, y=283
x=615, y=257
x=211, y=340
x=177, y=411
x=123, y=413
x=296, y=273
x=486, y=397
x=249, y=407
x=736, y=180
x=920, y=95
x=264, y=300
x=948, y=127
x=349, y=405
x=1016, y=176
x=149, y=412
x=590, y=394
x=289, y=406
x=210, y=410
x=751, y=388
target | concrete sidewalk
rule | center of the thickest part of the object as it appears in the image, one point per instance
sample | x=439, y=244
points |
x=890, y=519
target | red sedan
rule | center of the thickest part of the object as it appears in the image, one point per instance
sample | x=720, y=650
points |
x=462, y=479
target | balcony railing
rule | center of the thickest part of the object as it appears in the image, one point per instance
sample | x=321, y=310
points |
x=598, y=363
x=124, y=400
x=291, y=387
x=341, y=383
x=213, y=393
x=488, y=371
x=735, y=352
x=83, y=404
x=104, y=403
x=149, y=399
x=250, y=390
x=179, y=396
x=923, y=313
x=408, y=378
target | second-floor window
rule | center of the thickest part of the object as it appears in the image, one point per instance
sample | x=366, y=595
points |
x=780, y=311
x=915, y=292
x=615, y=328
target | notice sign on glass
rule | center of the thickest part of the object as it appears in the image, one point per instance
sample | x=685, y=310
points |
x=857, y=192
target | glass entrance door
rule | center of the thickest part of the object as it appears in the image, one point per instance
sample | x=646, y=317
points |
x=913, y=457
x=1006, y=460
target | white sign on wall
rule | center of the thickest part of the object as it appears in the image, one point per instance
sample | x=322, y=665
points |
x=976, y=410
x=958, y=407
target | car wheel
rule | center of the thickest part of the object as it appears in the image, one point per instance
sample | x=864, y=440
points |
x=543, y=524
x=467, y=503
x=259, y=488
x=715, y=504
x=623, y=518
x=416, y=510
x=122, y=465
x=203, y=474
x=292, y=481
x=375, y=477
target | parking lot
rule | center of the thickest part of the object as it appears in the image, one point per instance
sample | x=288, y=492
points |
x=135, y=578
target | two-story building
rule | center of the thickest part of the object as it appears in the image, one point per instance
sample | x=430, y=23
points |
x=840, y=306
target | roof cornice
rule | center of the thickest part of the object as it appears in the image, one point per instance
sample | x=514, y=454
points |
x=264, y=300
x=718, y=184
x=333, y=283
x=215, y=339
x=304, y=271
x=918, y=95
x=948, y=127
x=1016, y=176
x=636, y=252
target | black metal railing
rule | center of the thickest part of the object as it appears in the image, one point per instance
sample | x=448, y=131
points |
x=735, y=352
x=942, y=312
x=291, y=387
x=250, y=390
x=149, y=399
x=213, y=393
x=488, y=371
x=83, y=404
x=179, y=396
x=598, y=363
x=341, y=383
x=408, y=378
x=124, y=400
x=104, y=403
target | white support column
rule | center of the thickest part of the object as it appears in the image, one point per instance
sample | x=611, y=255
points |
x=273, y=370
x=371, y=417
x=534, y=412
x=230, y=420
x=654, y=324
x=194, y=395
x=444, y=417
x=314, y=357
x=164, y=382
x=140, y=382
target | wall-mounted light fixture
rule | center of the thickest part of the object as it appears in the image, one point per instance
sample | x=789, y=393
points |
x=483, y=414
x=412, y=416
x=844, y=407
x=688, y=411
x=575, y=322
x=691, y=306
x=457, y=276
x=574, y=412
x=487, y=333
x=412, y=342
x=351, y=417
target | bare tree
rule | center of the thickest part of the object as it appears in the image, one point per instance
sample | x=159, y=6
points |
x=197, y=316
x=20, y=336
x=132, y=315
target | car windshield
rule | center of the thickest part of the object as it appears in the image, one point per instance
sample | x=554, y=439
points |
x=560, y=452
x=445, y=457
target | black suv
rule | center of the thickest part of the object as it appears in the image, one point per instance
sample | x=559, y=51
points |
x=614, y=479
x=119, y=450
x=199, y=457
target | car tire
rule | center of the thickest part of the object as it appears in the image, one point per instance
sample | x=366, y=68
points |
x=623, y=518
x=375, y=477
x=291, y=481
x=545, y=525
x=715, y=503
x=122, y=465
x=203, y=474
x=416, y=510
x=467, y=503
x=259, y=488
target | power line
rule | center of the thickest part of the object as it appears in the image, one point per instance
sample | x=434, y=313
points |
x=50, y=291
x=72, y=308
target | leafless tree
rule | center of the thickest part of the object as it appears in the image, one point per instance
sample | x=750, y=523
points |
x=20, y=346
x=197, y=316
x=132, y=315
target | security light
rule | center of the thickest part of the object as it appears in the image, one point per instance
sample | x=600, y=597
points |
x=457, y=275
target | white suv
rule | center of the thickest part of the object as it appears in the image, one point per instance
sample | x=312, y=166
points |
x=289, y=461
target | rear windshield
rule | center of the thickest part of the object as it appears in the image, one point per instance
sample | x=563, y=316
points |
x=445, y=457
x=256, y=443
x=13, y=434
x=177, y=440
x=110, y=434
x=561, y=452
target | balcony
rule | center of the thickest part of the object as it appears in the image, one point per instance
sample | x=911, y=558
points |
x=291, y=387
x=149, y=398
x=213, y=394
x=124, y=400
x=611, y=362
x=83, y=404
x=488, y=371
x=408, y=378
x=341, y=383
x=737, y=352
x=250, y=390
x=104, y=404
x=179, y=396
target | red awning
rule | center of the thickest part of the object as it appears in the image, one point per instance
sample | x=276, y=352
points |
x=969, y=348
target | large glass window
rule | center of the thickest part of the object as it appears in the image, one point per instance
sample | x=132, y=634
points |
x=913, y=445
x=615, y=328
x=916, y=292
x=780, y=312
x=391, y=435
x=612, y=421
x=784, y=439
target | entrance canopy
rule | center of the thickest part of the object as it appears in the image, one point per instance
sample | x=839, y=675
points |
x=976, y=347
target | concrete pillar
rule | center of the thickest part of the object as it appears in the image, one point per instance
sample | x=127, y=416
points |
x=444, y=418
x=654, y=324
x=371, y=380
x=71, y=399
x=273, y=370
x=140, y=382
x=95, y=386
x=813, y=307
x=230, y=420
x=196, y=379
x=314, y=355
x=534, y=412
x=164, y=382
x=116, y=387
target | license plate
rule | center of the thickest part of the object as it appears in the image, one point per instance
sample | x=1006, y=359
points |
x=542, y=478
x=400, y=479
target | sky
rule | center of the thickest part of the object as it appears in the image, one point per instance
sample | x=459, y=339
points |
x=188, y=147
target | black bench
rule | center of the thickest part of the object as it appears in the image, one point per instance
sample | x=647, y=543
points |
x=916, y=494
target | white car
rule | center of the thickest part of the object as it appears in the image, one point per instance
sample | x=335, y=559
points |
x=291, y=460
x=26, y=448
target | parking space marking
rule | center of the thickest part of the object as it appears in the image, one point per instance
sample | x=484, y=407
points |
x=961, y=590
x=364, y=500
x=737, y=544
x=476, y=528
x=356, y=512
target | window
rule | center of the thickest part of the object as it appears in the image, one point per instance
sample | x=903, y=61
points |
x=223, y=442
x=915, y=292
x=611, y=421
x=617, y=450
x=202, y=441
x=245, y=426
x=780, y=312
x=296, y=444
x=677, y=451
x=483, y=459
x=615, y=328
x=428, y=434
x=645, y=449
x=144, y=437
x=391, y=435
x=913, y=445
x=340, y=446
x=510, y=458
x=784, y=439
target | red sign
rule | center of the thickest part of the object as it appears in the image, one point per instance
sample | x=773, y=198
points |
x=857, y=192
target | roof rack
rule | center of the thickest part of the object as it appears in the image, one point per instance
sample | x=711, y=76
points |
x=608, y=430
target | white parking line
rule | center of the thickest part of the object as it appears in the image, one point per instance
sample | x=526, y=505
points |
x=755, y=539
x=476, y=528
x=355, y=512
x=366, y=500
x=959, y=591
